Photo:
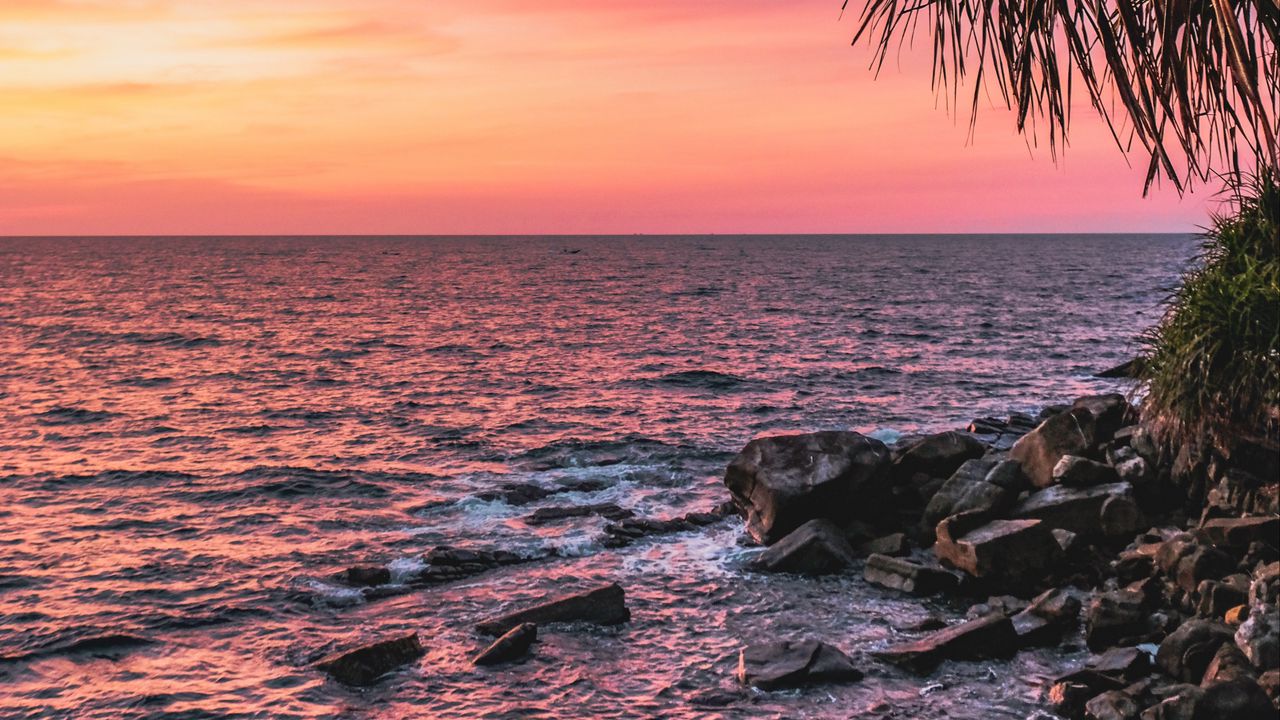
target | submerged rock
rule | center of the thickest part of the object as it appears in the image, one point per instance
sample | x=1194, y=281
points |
x=511, y=646
x=363, y=666
x=364, y=576
x=992, y=636
x=909, y=577
x=786, y=664
x=783, y=482
x=815, y=548
x=609, y=511
x=605, y=605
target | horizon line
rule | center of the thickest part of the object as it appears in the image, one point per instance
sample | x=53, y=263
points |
x=213, y=236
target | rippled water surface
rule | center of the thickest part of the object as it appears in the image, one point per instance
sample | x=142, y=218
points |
x=196, y=433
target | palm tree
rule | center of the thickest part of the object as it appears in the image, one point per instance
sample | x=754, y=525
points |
x=1195, y=82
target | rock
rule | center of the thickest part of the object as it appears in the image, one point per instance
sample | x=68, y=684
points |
x=1112, y=705
x=1187, y=651
x=1114, y=617
x=605, y=605
x=937, y=455
x=609, y=511
x=1269, y=681
x=365, y=576
x=363, y=666
x=1056, y=605
x=1127, y=369
x=1132, y=565
x=1134, y=471
x=1236, y=616
x=989, y=637
x=1069, y=699
x=1099, y=511
x=1071, y=433
x=785, y=664
x=516, y=494
x=1126, y=663
x=1259, y=637
x=1216, y=598
x=783, y=482
x=817, y=547
x=1239, y=532
x=1236, y=700
x=1081, y=472
x=1110, y=413
x=1014, y=550
x=1200, y=564
x=1228, y=664
x=511, y=646
x=1265, y=589
x=893, y=545
x=909, y=577
x=1180, y=704
x=968, y=491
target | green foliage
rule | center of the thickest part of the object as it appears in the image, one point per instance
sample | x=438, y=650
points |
x=1212, y=365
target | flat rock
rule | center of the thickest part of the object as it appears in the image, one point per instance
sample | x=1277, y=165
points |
x=511, y=646
x=787, y=664
x=782, y=482
x=1099, y=511
x=1016, y=550
x=605, y=605
x=907, y=576
x=1239, y=532
x=817, y=547
x=992, y=636
x=893, y=545
x=363, y=666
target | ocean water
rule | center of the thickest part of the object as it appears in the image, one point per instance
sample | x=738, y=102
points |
x=195, y=434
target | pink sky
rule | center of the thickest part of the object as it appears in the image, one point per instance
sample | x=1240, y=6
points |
x=507, y=116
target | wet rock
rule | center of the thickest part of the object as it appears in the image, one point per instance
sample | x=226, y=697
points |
x=1114, y=617
x=364, y=576
x=1259, y=637
x=893, y=545
x=968, y=491
x=937, y=455
x=1082, y=472
x=609, y=511
x=908, y=577
x=1235, y=700
x=446, y=564
x=1071, y=433
x=516, y=494
x=794, y=664
x=1239, y=532
x=1125, y=663
x=1187, y=651
x=1228, y=664
x=1099, y=511
x=511, y=646
x=1180, y=703
x=605, y=605
x=817, y=547
x=783, y=482
x=1112, y=705
x=1127, y=369
x=363, y=666
x=1018, y=551
x=989, y=637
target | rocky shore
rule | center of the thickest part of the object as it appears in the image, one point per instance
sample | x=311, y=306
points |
x=1074, y=522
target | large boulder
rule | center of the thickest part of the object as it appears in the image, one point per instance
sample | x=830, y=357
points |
x=937, y=455
x=605, y=605
x=1015, y=551
x=1071, y=433
x=1187, y=651
x=992, y=636
x=364, y=665
x=817, y=547
x=787, y=664
x=1094, y=512
x=967, y=490
x=782, y=482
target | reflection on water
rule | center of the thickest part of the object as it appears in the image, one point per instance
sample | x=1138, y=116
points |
x=197, y=433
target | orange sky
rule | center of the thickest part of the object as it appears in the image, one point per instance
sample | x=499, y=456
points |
x=511, y=116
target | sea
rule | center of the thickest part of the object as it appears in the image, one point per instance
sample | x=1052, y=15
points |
x=197, y=433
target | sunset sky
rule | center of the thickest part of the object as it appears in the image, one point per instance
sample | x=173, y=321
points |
x=513, y=116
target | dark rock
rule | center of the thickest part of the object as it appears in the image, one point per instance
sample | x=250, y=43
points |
x=1015, y=550
x=1202, y=563
x=794, y=664
x=1236, y=700
x=1047, y=618
x=989, y=637
x=968, y=491
x=909, y=577
x=1187, y=651
x=1269, y=681
x=1239, y=532
x=516, y=494
x=1008, y=475
x=1127, y=369
x=365, y=576
x=1110, y=413
x=938, y=455
x=363, y=666
x=1099, y=511
x=817, y=547
x=1056, y=605
x=1134, y=471
x=783, y=482
x=1216, y=598
x=604, y=605
x=893, y=545
x=1228, y=664
x=1082, y=472
x=1132, y=565
x=1259, y=637
x=1071, y=433
x=1126, y=663
x=1114, y=617
x=1112, y=705
x=511, y=646
x=1180, y=703
x=1265, y=589
x=609, y=511
x=1068, y=698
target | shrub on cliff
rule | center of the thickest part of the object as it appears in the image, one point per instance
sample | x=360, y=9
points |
x=1212, y=365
